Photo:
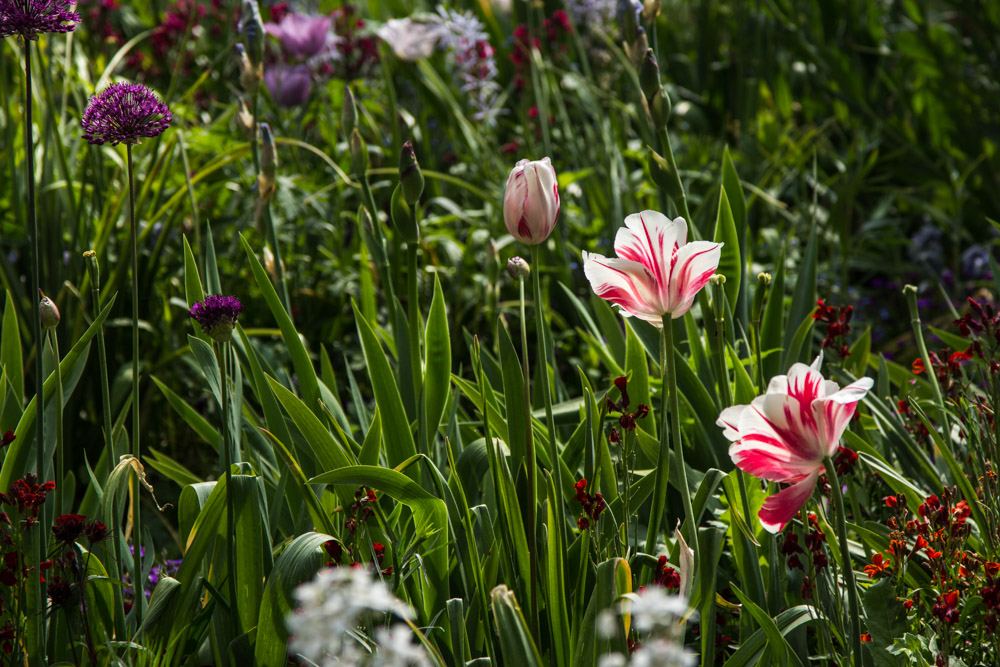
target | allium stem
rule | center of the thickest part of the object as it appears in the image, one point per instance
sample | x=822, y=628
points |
x=60, y=451
x=137, y=506
x=530, y=464
x=536, y=270
x=228, y=452
x=36, y=592
x=845, y=555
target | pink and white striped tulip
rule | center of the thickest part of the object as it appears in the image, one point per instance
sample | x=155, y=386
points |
x=531, y=201
x=784, y=435
x=656, y=272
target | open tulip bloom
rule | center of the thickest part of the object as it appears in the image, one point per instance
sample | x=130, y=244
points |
x=785, y=435
x=656, y=272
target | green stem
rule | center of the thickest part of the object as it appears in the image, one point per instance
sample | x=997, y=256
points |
x=678, y=185
x=413, y=315
x=228, y=455
x=38, y=554
x=279, y=268
x=536, y=265
x=136, y=450
x=845, y=555
x=60, y=452
x=530, y=463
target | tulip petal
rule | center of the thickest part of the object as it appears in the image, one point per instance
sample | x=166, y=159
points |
x=768, y=447
x=624, y=283
x=782, y=507
x=690, y=269
x=729, y=420
x=833, y=413
x=651, y=239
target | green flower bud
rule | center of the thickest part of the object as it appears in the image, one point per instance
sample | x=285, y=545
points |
x=402, y=216
x=48, y=311
x=410, y=176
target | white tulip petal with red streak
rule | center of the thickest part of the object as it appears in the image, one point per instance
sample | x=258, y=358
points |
x=625, y=284
x=781, y=508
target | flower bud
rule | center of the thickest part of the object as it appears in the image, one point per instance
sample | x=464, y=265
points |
x=48, y=312
x=410, y=176
x=250, y=74
x=267, y=179
x=252, y=29
x=517, y=267
x=531, y=201
x=402, y=216
x=717, y=279
x=649, y=76
x=764, y=278
x=244, y=118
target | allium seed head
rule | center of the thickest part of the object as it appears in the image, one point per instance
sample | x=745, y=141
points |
x=30, y=18
x=124, y=113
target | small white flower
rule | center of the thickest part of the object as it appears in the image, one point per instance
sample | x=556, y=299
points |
x=662, y=653
x=329, y=610
x=411, y=40
x=612, y=660
x=652, y=607
x=607, y=624
x=396, y=648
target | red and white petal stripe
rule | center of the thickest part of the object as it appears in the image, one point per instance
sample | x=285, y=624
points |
x=781, y=508
x=624, y=283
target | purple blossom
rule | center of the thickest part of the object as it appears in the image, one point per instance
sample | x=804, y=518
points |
x=289, y=85
x=30, y=18
x=217, y=315
x=123, y=113
x=303, y=35
x=472, y=56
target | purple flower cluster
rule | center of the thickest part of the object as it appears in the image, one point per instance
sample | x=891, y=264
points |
x=124, y=113
x=217, y=315
x=30, y=18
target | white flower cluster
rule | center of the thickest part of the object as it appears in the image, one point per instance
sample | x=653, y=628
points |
x=465, y=37
x=331, y=608
x=656, y=614
x=593, y=14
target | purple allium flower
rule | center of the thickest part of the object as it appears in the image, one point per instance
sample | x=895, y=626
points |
x=289, y=85
x=30, y=18
x=303, y=35
x=123, y=113
x=472, y=56
x=217, y=315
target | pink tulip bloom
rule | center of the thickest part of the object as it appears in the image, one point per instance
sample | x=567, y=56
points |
x=784, y=435
x=531, y=201
x=656, y=272
x=303, y=35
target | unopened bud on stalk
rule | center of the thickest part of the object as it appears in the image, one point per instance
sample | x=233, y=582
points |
x=909, y=289
x=267, y=179
x=410, y=176
x=649, y=76
x=48, y=311
x=718, y=279
x=252, y=29
x=359, y=154
x=244, y=118
x=402, y=216
x=250, y=74
x=517, y=267
x=764, y=278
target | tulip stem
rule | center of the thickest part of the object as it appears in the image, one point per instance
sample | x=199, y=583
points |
x=137, y=507
x=536, y=266
x=530, y=464
x=670, y=435
x=845, y=556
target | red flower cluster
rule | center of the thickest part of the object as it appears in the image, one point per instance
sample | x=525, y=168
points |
x=947, y=368
x=67, y=528
x=591, y=504
x=361, y=508
x=844, y=462
x=626, y=420
x=836, y=321
x=815, y=539
x=26, y=495
x=358, y=47
x=666, y=576
x=557, y=27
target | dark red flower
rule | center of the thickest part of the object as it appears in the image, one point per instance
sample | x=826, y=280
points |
x=96, y=531
x=68, y=527
x=7, y=438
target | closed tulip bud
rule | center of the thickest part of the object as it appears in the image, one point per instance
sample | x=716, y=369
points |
x=531, y=201
x=402, y=216
x=517, y=267
x=359, y=154
x=410, y=176
x=267, y=180
x=48, y=312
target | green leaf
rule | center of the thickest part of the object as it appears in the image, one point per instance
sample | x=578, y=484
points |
x=517, y=412
x=398, y=438
x=308, y=381
x=516, y=644
x=778, y=648
x=437, y=361
x=199, y=424
x=804, y=299
x=11, y=361
x=193, y=290
x=752, y=649
x=731, y=264
x=884, y=613
x=324, y=448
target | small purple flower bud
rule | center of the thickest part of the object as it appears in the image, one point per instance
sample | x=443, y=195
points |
x=217, y=315
x=124, y=113
x=30, y=18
